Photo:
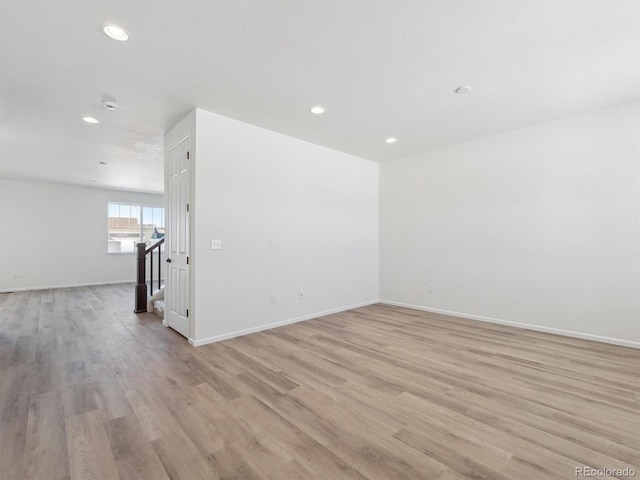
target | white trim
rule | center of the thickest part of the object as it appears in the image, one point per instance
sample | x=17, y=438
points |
x=72, y=285
x=527, y=326
x=268, y=326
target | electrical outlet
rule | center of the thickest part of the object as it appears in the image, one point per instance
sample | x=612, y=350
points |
x=18, y=275
x=300, y=296
x=216, y=244
x=272, y=244
x=274, y=300
x=429, y=288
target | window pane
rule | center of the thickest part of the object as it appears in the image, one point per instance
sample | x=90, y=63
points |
x=158, y=217
x=125, y=216
x=147, y=215
x=147, y=224
x=135, y=213
x=114, y=215
x=114, y=210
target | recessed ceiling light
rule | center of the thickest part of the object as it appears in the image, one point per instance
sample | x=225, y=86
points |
x=115, y=32
x=391, y=140
x=103, y=163
x=318, y=110
x=90, y=120
x=463, y=89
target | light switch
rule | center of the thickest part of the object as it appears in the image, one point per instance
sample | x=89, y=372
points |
x=216, y=244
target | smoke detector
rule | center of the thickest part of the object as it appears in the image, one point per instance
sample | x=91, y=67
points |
x=109, y=103
x=463, y=89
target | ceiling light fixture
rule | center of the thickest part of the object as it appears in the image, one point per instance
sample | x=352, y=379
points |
x=463, y=89
x=391, y=140
x=116, y=33
x=317, y=110
x=90, y=120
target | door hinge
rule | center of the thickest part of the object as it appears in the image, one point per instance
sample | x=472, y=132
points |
x=187, y=207
x=187, y=155
x=187, y=312
x=187, y=260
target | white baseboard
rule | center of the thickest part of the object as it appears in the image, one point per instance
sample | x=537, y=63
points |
x=527, y=326
x=259, y=328
x=72, y=285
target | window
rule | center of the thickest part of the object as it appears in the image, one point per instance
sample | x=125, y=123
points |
x=131, y=224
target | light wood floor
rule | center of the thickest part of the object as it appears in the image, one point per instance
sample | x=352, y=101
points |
x=90, y=390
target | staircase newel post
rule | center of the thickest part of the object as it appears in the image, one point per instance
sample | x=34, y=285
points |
x=141, y=286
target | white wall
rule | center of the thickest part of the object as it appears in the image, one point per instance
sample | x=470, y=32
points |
x=537, y=226
x=56, y=235
x=320, y=206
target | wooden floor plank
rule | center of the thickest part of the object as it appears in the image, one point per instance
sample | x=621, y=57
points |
x=133, y=454
x=182, y=460
x=90, y=390
x=46, y=441
x=90, y=453
x=12, y=443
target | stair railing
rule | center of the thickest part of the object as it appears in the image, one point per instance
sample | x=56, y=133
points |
x=142, y=289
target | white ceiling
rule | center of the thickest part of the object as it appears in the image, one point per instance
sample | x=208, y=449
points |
x=380, y=67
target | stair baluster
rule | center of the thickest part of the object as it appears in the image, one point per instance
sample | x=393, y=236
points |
x=142, y=289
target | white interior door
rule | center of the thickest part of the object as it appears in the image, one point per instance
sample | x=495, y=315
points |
x=177, y=239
